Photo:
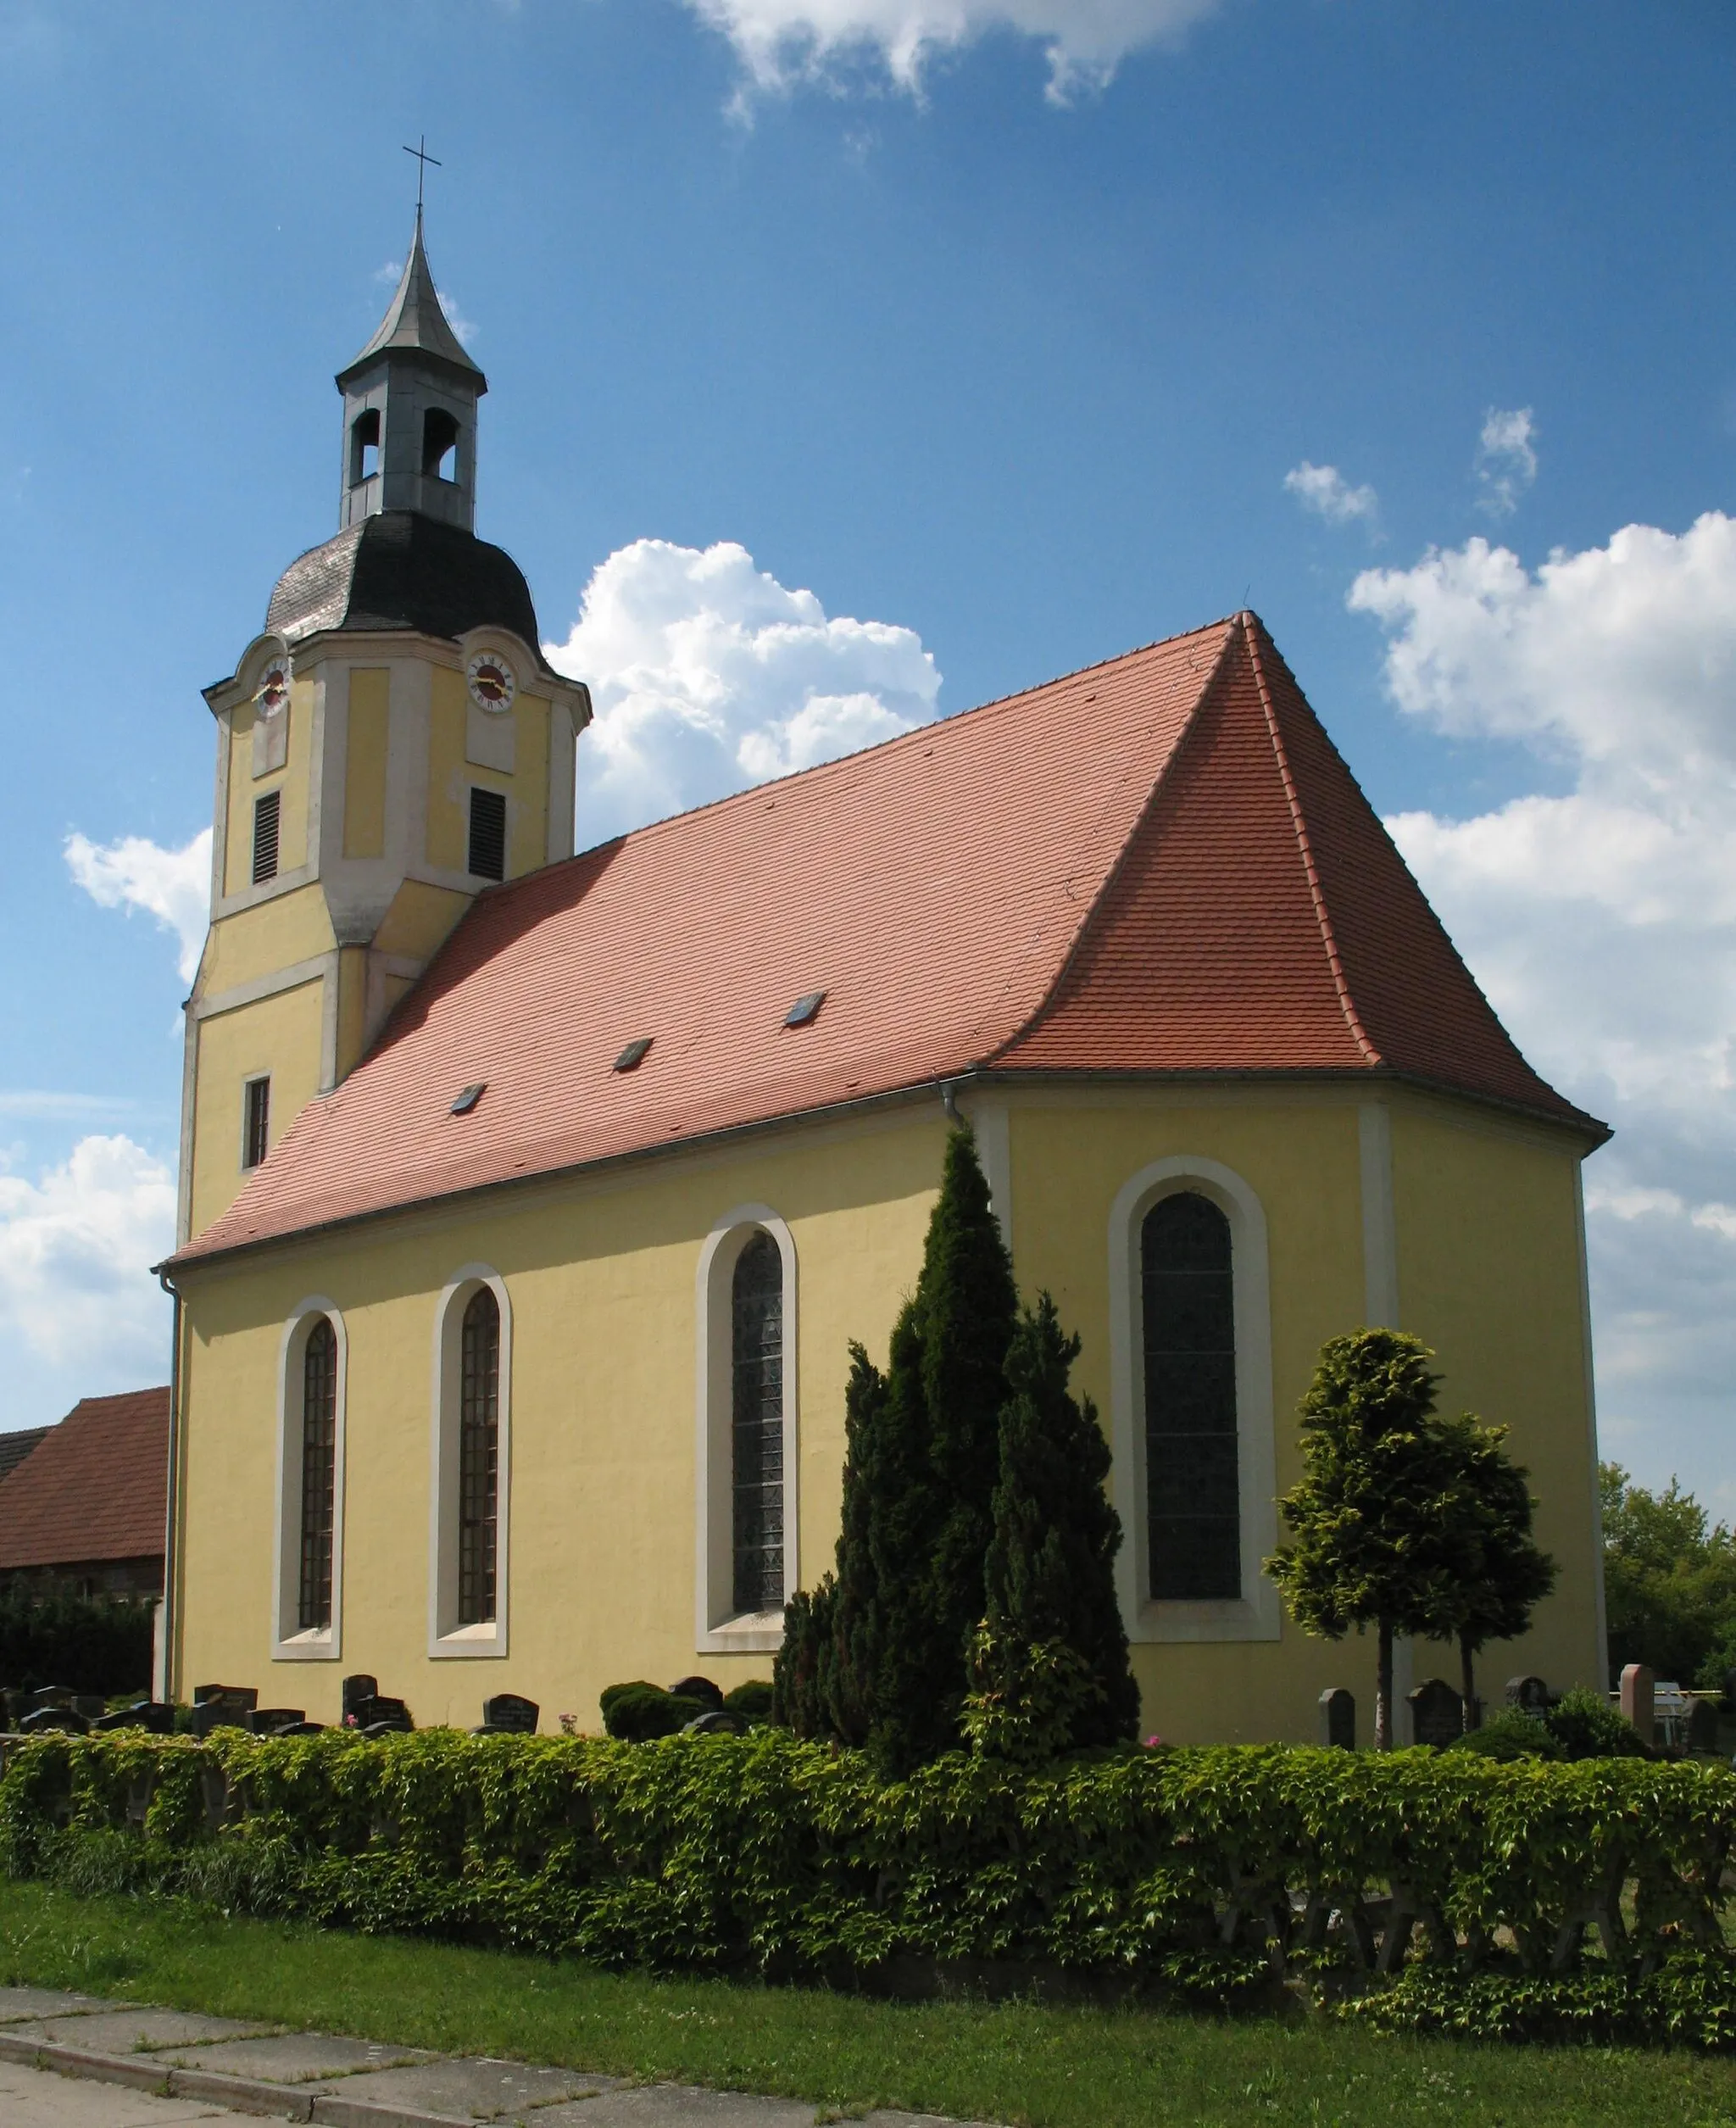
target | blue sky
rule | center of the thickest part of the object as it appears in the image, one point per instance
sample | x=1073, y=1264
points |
x=1018, y=376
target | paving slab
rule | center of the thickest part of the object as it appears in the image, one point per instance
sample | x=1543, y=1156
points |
x=110, y=2030
x=37, y=2099
x=293, y=2058
x=463, y=2089
x=18, y=2003
x=678, y=2106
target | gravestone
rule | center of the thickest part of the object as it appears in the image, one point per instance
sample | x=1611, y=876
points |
x=1703, y=1726
x=358, y=1688
x=1530, y=1695
x=380, y=1716
x=1437, y=1714
x=222, y=1707
x=1639, y=1705
x=268, y=1721
x=91, y=1705
x=47, y=1696
x=509, y=1715
x=155, y=1716
x=46, y=1718
x=242, y=1697
x=1338, y=1719
x=300, y=1729
x=716, y=1721
x=701, y=1689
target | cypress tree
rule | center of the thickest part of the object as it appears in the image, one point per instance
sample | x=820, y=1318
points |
x=886, y=1639
x=1049, y=1572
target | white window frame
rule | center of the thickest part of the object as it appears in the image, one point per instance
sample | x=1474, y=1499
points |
x=289, y=1643
x=718, y=1628
x=446, y=1638
x=1257, y=1614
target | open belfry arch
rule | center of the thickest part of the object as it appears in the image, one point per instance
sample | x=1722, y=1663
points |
x=390, y=743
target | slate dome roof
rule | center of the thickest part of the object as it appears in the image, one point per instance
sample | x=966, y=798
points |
x=400, y=569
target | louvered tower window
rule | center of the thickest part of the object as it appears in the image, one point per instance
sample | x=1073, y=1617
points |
x=319, y=1476
x=1193, y=1496
x=757, y=1425
x=267, y=812
x=478, y=1459
x=487, y=834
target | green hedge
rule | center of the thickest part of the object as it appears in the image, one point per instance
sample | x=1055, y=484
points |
x=88, y=1644
x=1213, y=1868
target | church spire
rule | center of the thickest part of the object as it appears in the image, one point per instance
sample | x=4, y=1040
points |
x=409, y=410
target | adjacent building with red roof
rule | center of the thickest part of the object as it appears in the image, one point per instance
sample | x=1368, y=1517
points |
x=530, y=1201
x=85, y=1508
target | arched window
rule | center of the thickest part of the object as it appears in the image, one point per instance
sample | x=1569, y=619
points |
x=319, y=1477
x=1192, y=1477
x=756, y=1425
x=479, y=1459
x=440, y=443
x=365, y=446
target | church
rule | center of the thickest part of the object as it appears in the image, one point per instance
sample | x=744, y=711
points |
x=530, y=1200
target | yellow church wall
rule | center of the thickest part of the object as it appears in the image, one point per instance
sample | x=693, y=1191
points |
x=243, y=789
x=418, y=919
x=278, y=1035
x=262, y=940
x=1487, y=1217
x=601, y=1276
x=364, y=761
x=450, y=775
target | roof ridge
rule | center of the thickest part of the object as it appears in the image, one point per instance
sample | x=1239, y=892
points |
x=1249, y=624
x=1143, y=813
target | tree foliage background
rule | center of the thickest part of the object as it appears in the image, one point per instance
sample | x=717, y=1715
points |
x=1669, y=1582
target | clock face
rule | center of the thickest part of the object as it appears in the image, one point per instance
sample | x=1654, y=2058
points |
x=274, y=687
x=492, y=681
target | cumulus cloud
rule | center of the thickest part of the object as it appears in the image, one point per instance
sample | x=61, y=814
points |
x=1325, y=491
x=1601, y=917
x=172, y=885
x=781, y=43
x=1506, y=459
x=707, y=675
x=76, y=1246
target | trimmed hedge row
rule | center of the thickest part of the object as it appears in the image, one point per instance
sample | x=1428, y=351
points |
x=1212, y=1869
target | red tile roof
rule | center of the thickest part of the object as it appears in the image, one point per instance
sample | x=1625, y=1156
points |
x=1157, y=865
x=95, y=1486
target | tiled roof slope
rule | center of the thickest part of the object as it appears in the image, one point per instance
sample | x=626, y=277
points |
x=95, y=1487
x=1160, y=864
x=15, y=1447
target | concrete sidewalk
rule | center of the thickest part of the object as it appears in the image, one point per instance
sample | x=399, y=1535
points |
x=172, y=2066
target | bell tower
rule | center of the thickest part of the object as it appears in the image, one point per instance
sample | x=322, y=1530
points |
x=390, y=744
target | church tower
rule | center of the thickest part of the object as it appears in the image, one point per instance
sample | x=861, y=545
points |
x=393, y=742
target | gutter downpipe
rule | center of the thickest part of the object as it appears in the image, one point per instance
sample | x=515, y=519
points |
x=162, y=1686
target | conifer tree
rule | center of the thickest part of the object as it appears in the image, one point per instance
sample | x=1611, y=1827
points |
x=1049, y=1573
x=877, y=1656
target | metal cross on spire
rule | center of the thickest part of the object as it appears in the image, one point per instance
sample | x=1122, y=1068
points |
x=423, y=158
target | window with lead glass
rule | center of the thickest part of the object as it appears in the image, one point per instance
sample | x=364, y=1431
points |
x=319, y=1477
x=757, y=1425
x=1193, y=1493
x=478, y=1459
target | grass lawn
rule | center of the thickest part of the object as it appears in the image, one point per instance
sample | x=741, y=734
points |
x=1022, y=2063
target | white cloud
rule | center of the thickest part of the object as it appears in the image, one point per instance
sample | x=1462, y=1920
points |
x=1506, y=459
x=707, y=675
x=172, y=885
x=77, y=1246
x=1601, y=918
x=1325, y=491
x=783, y=43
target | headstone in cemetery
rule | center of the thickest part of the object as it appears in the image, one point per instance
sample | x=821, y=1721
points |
x=508, y=1714
x=709, y=1695
x=716, y=1721
x=268, y=1721
x=1338, y=1719
x=1703, y=1726
x=155, y=1716
x=46, y=1718
x=1437, y=1714
x=47, y=1696
x=380, y=1716
x=1530, y=1695
x=222, y=1707
x=300, y=1729
x=91, y=1705
x=1638, y=1703
x=358, y=1688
